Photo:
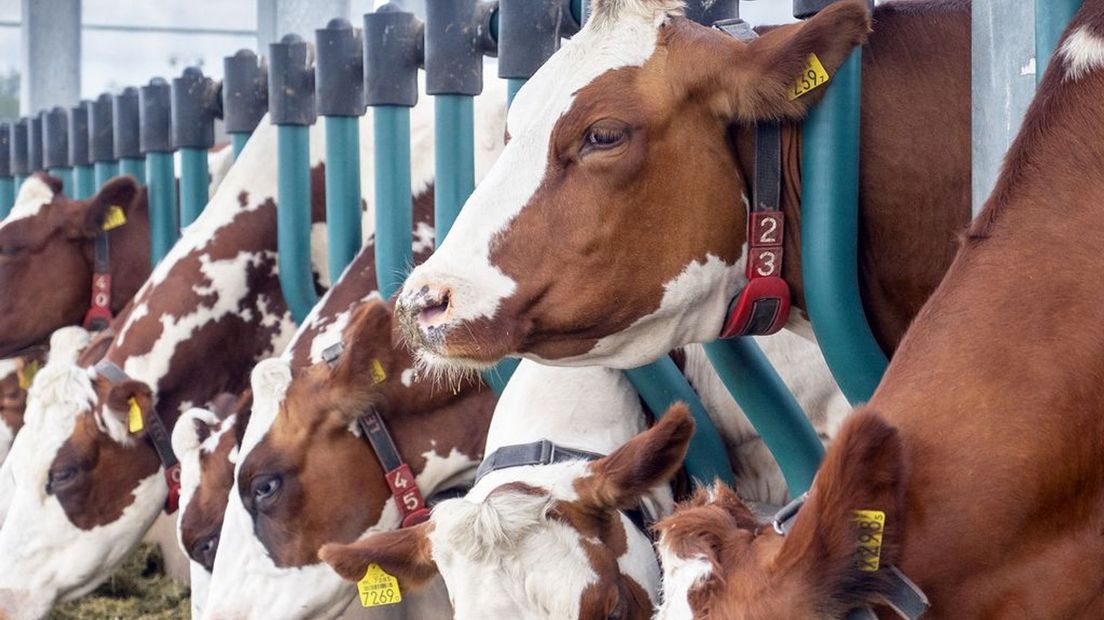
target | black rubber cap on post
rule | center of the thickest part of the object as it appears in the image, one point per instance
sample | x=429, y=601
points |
x=290, y=82
x=5, y=150
x=78, y=134
x=155, y=117
x=804, y=9
x=709, y=11
x=19, y=138
x=196, y=103
x=127, y=125
x=101, y=129
x=394, y=48
x=339, y=69
x=244, y=92
x=529, y=32
x=34, y=143
x=457, y=36
x=55, y=136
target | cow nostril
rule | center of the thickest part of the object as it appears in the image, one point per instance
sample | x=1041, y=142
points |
x=432, y=312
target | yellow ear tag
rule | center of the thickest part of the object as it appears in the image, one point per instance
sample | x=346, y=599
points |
x=813, y=76
x=114, y=218
x=134, y=417
x=378, y=588
x=379, y=375
x=871, y=524
x=27, y=374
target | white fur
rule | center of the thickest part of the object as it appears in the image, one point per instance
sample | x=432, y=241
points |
x=1083, y=52
x=33, y=195
x=679, y=576
x=67, y=343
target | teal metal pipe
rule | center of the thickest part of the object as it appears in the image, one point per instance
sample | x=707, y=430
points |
x=135, y=167
x=237, y=143
x=771, y=409
x=454, y=122
x=164, y=225
x=513, y=85
x=660, y=384
x=194, y=184
x=102, y=171
x=1051, y=19
x=19, y=179
x=829, y=236
x=66, y=176
x=394, y=209
x=343, y=230
x=7, y=196
x=293, y=219
x=84, y=182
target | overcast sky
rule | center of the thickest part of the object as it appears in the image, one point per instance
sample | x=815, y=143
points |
x=112, y=60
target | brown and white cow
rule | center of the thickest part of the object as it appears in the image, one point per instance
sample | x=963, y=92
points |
x=613, y=228
x=983, y=444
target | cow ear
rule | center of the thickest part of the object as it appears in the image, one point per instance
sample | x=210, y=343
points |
x=405, y=554
x=192, y=429
x=775, y=77
x=367, y=358
x=850, y=528
x=110, y=207
x=127, y=411
x=621, y=479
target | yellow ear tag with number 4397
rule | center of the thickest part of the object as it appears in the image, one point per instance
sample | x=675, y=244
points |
x=812, y=76
x=134, y=417
x=114, y=218
x=378, y=588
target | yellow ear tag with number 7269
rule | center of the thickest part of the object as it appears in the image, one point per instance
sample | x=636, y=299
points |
x=378, y=588
x=812, y=76
x=134, y=417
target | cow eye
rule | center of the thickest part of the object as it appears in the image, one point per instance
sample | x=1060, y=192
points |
x=264, y=490
x=604, y=135
x=60, y=478
x=203, y=551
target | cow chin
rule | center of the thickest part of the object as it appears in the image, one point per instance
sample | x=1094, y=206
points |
x=461, y=348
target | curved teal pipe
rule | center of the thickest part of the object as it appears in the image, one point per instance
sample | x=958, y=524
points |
x=164, y=226
x=84, y=182
x=135, y=167
x=394, y=208
x=195, y=184
x=66, y=176
x=103, y=171
x=293, y=219
x=7, y=196
x=829, y=236
x=1051, y=19
x=343, y=230
x=237, y=143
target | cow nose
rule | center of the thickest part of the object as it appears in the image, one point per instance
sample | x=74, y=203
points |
x=427, y=308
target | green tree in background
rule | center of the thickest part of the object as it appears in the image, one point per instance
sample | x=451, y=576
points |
x=9, y=95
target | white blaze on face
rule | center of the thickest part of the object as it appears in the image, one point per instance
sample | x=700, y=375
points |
x=43, y=556
x=679, y=576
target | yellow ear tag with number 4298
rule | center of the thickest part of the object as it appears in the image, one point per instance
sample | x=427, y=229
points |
x=114, y=218
x=812, y=76
x=871, y=524
x=134, y=417
x=378, y=588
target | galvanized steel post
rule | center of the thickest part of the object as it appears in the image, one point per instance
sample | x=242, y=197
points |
x=244, y=96
x=84, y=181
x=55, y=137
x=195, y=106
x=125, y=115
x=1051, y=19
x=20, y=168
x=7, y=183
x=394, y=48
x=339, y=77
x=292, y=106
x=155, y=142
x=101, y=137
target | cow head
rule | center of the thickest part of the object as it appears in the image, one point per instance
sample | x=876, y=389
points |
x=46, y=256
x=612, y=228
x=719, y=561
x=557, y=548
x=306, y=476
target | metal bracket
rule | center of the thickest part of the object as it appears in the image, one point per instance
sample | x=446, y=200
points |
x=101, y=129
x=19, y=162
x=457, y=36
x=291, y=82
x=196, y=103
x=5, y=150
x=529, y=33
x=339, y=69
x=244, y=91
x=78, y=134
x=155, y=117
x=34, y=143
x=55, y=137
x=394, y=49
x=125, y=115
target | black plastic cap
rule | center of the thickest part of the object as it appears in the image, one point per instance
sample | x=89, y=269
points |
x=125, y=111
x=529, y=32
x=155, y=117
x=101, y=128
x=55, y=138
x=457, y=36
x=196, y=103
x=709, y=11
x=19, y=137
x=394, y=48
x=34, y=143
x=5, y=150
x=244, y=91
x=78, y=134
x=339, y=69
x=290, y=82
x=804, y=9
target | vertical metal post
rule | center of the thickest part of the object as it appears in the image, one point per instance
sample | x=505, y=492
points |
x=55, y=137
x=7, y=183
x=195, y=105
x=394, y=47
x=244, y=96
x=51, y=54
x=127, y=149
x=1051, y=19
x=101, y=137
x=339, y=75
x=292, y=105
x=155, y=142
x=34, y=144
x=84, y=182
x=20, y=167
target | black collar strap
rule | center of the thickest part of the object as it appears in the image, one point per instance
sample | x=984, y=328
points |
x=156, y=433
x=905, y=598
x=99, y=314
x=763, y=305
x=400, y=478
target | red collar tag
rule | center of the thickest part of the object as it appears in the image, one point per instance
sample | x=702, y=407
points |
x=409, y=499
x=763, y=306
x=172, y=478
x=99, y=314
